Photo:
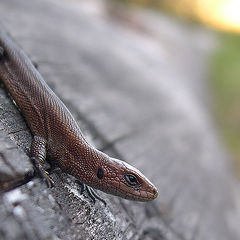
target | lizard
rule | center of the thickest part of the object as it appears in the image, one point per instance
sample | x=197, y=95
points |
x=58, y=138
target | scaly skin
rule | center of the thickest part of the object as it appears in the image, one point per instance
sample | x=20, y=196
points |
x=57, y=135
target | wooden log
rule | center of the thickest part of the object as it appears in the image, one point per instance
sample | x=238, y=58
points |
x=135, y=96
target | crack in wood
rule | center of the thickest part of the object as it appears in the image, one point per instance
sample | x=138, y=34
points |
x=8, y=164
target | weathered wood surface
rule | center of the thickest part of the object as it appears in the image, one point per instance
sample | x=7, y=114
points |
x=138, y=93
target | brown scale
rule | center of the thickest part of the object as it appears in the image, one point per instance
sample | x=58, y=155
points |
x=57, y=135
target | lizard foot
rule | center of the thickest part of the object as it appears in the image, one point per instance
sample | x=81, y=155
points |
x=43, y=173
x=92, y=194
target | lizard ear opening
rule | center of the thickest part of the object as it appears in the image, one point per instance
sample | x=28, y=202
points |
x=100, y=173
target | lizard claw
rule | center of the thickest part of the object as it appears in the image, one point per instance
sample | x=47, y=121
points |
x=44, y=174
x=47, y=178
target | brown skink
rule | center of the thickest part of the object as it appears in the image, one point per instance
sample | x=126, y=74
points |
x=57, y=135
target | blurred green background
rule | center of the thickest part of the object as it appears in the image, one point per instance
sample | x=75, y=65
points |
x=223, y=17
x=225, y=83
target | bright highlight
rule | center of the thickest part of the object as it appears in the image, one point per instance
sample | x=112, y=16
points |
x=222, y=14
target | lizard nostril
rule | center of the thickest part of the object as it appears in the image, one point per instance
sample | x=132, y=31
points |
x=155, y=192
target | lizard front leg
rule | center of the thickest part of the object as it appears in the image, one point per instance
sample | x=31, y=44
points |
x=38, y=156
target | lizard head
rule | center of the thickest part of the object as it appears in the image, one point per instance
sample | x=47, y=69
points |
x=121, y=179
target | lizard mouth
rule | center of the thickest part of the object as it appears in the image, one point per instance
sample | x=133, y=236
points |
x=135, y=194
x=146, y=195
x=142, y=195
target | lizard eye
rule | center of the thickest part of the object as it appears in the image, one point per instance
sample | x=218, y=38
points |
x=131, y=179
x=100, y=173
